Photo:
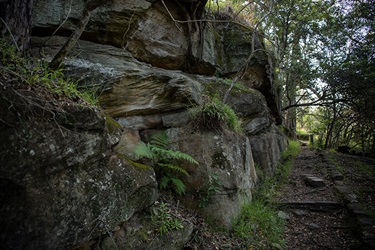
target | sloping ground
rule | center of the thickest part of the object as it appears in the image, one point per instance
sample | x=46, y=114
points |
x=329, y=202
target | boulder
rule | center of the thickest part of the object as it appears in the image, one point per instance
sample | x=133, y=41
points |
x=225, y=163
x=251, y=107
x=267, y=147
x=158, y=40
x=112, y=23
x=314, y=182
x=148, y=32
x=61, y=183
x=137, y=58
x=128, y=87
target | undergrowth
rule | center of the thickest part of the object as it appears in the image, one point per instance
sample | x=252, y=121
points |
x=259, y=223
x=237, y=11
x=34, y=75
x=165, y=162
x=163, y=219
x=212, y=113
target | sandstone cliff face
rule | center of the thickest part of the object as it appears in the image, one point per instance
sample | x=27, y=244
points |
x=61, y=182
x=149, y=70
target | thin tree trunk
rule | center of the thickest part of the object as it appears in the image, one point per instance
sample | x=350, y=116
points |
x=330, y=129
x=60, y=56
x=15, y=22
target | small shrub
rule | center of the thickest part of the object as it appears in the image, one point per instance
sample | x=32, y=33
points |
x=163, y=219
x=163, y=161
x=211, y=189
x=292, y=151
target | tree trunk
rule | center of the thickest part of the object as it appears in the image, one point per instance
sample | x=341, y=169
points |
x=328, y=142
x=60, y=56
x=291, y=114
x=15, y=22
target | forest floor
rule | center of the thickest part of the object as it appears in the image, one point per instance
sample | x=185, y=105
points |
x=329, y=201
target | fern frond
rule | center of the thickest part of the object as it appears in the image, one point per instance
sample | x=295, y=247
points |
x=160, y=140
x=144, y=150
x=182, y=156
x=172, y=154
x=179, y=186
x=164, y=181
x=173, y=167
x=136, y=164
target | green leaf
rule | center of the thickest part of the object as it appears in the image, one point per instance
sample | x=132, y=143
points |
x=163, y=184
x=136, y=164
x=173, y=167
x=144, y=150
x=160, y=140
x=179, y=186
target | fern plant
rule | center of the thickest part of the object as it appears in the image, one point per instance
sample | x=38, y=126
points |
x=164, y=160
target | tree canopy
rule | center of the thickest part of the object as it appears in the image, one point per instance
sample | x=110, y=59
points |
x=324, y=53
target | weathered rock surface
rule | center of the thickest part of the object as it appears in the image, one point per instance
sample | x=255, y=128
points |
x=267, y=148
x=144, y=97
x=61, y=183
x=111, y=23
x=149, y=33
x=314, y=181
x=226, y=163
x=64, y=182
x=129, y=86
x=252, y=107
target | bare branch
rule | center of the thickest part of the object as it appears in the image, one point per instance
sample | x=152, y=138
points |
x=315, y=103
x=59, y=57
x=11, y=34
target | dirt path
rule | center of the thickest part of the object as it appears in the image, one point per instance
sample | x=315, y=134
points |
x=326, y=207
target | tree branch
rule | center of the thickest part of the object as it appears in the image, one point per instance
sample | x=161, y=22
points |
x=315, y=103
x=59, y=57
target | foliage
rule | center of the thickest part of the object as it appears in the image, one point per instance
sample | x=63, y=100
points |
x=212, y=113
x=259, y=223
x=270, y=184
x=163, y=160
x=234, y=10
x=36, y=75
x=291, y=152
x=323, y=54
x=163, y=219
x=212, y=188
x=260, y=226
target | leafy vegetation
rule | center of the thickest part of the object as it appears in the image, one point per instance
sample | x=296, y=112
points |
x=322, y=55
x=259, y=223
x=163, y=219
x=205, y=193
x=164, y=161
x=34, y=74
x=234, y=10
x=260, y=226
x=214, y=112
x=270, y=184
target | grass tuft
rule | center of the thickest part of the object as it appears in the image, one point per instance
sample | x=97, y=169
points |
x=214, y=112
x=259, y=223
x=35, y=75
x=260, y=226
